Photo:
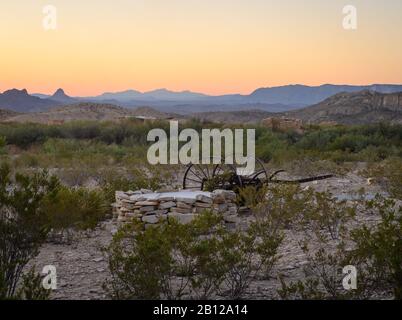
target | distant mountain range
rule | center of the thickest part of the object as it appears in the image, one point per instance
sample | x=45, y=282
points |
x=343, y=108
x=155, y=95
x=275, y=99
x=348, y=108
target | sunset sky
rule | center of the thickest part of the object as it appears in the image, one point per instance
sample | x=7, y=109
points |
x=210, y=46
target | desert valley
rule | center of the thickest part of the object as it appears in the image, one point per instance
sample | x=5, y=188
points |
x=97, y=149
x=187, y=159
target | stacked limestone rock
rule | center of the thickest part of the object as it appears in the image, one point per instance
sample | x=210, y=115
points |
x=153, y=208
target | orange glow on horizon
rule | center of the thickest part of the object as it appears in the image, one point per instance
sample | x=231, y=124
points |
x=205, y=46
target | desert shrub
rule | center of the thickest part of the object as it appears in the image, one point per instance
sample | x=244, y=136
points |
x=75, y=209
x=79, y=130
x=353, y=143
x=197, y=260
x=378, y=248
x=388, y=174
x=325, y=224
x=338, y=143
x=310, y=166
x=323, y=276
x=140, y=265
x=27, y=160
x=327, y=215
x=23, y=224
x=245, y=255
x=145, y=264
x=373, y=249
x=251, y=196
x=197, y=251
x=151, y=178
x=284, y=205
x=31, y=287
x=2, y=144
x=25, y=135
x=269, y=144
x=76, y=176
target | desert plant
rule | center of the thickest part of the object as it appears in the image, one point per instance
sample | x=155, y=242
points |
x=283, y=205
x=140, y=264
x=138, y=178
x=2, y=144
x=374, y=250
x=31, y=287
x=328, y=216
x=244, y=256
x=388, y=174
x=23, y=223
x=197, y=260
x=251, y=196
x=378, y=248
x=72, y=209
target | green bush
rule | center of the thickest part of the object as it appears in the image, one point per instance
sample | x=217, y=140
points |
x=200, y=260
x=378, y=249
x=75, y=209
x=327, y=216
x=23, y=224
x=284, y=205
x=146, y=177
x=388, y=174
x=31, y=287
x=375, y=250
x=341, y=143
x=2, y=144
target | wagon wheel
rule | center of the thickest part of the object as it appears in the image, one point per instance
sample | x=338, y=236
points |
x=259, y=177
x=208, y=177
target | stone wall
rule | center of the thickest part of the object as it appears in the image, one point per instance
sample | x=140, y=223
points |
x=153, y=208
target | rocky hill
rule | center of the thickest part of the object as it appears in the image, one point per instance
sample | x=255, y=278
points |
x=246, y=117
x=21, y=101
x=152, y=113
x=353, y=108
x=5, y=114
x=308, y=95
x=86, y=112
x=60, y=96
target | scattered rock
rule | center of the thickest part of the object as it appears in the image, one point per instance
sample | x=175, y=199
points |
x=152, y=219
x=182, y=218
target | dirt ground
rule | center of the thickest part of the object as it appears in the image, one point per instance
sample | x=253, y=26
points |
x=82, y=268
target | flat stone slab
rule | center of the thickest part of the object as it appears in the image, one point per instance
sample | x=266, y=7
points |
x=191, y=195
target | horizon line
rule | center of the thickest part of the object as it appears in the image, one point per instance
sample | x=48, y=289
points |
x=198, y=92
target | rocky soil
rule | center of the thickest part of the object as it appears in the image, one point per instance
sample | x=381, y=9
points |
x=82, y=268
